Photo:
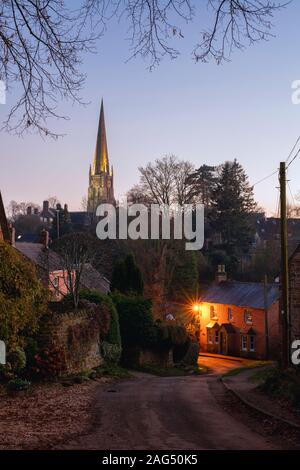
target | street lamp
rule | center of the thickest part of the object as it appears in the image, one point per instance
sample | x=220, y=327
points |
x=197, y=310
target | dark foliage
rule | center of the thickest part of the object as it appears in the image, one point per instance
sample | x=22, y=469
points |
x=127, y=277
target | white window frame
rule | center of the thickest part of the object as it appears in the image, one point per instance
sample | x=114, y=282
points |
x=248, y=315
x=210, y=337
x=251, y=346
x=244, y=348
x=217, y=336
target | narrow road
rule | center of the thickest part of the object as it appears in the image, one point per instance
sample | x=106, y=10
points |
x=168, y=413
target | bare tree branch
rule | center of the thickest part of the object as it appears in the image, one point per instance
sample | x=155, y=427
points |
x=42, y=43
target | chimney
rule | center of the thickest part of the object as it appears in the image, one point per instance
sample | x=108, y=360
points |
x=45, y=238
x=29, y=210
x=45, y=207
x=221, y=274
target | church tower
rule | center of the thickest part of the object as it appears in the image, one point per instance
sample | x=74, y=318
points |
x=101, y=179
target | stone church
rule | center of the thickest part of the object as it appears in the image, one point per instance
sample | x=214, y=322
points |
x=101, y=179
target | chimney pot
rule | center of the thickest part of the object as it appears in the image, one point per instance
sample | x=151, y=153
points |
x=45, y=238
x=45, y=206
x=221, y=274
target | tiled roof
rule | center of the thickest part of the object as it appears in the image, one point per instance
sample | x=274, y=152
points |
x=90, y=278
x=241, y=294
x=228, y=327
x=80, y=218
x=37, y=254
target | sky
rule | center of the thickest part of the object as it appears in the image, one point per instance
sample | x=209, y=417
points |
x=200, y=112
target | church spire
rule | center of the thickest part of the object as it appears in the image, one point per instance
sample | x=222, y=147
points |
x=101, y=163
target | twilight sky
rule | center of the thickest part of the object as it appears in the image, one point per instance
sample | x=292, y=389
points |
x=201, y=112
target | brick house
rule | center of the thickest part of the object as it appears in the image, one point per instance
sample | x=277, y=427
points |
x=51, y=273
x=294, y=293
x=235, y=317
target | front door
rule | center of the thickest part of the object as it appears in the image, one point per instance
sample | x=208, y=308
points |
x=223, y=343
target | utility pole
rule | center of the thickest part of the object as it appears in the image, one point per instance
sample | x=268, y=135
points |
x=266, y=316
x=284, y=304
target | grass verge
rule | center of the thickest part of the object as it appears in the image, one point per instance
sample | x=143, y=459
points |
x=252, y=365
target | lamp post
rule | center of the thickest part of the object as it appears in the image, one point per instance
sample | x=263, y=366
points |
x=196, y=309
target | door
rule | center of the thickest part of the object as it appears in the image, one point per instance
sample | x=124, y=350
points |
x=223, y=343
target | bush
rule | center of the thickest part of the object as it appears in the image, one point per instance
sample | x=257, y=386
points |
x=283, y=384
x=31, y=349
x=6, y=372
x=109, y=323
x=17, y=359
x=171, y=335
x=16, y=385
x=111, y=352
x=127, y=277
x=23, y=299
x=49, y=363
x=136, y=323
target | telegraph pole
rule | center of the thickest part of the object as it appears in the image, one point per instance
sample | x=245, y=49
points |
x=284, y=304
x=266, y=316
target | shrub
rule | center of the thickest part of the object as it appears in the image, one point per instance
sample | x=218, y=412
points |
x=31, y=349
x=17, y=359
x=49, y=363
x=127, y=277
x=111, y=352
x=283, y=384
x=16, y=385
x=6, y=372
x=22, y=297
x=136, y=322
x=171, y=335
x=109, y=322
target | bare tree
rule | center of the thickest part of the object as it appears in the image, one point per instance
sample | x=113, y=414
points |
x=84, y=203
x=42, y=43
x=163, y=182
x=75, y=251
x=235, y=23
x=53, y=201
x=16, y=209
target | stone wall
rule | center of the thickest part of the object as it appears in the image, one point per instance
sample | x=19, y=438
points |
x=158, y=358
x=76, y=336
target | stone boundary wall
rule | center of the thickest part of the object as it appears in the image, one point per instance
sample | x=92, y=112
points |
x=75, y=334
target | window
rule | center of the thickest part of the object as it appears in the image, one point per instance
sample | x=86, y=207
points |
x=230, y=314
x=244, y=343
x=216, y=336
x=252, y=345
x=248, y=317
x=212, y=312
x=209, y=337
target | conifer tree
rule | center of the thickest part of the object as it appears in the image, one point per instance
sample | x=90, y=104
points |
x=127, y=277
x=233, y=203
